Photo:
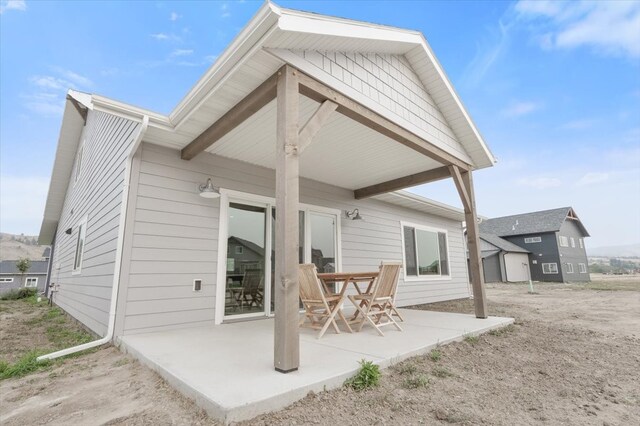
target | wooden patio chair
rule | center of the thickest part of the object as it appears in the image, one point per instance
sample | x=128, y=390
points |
x=320, y=307
x=251, y=293
x=379, y=304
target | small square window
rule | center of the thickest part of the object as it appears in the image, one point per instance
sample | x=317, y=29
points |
x=549, y=268
x=31, y=282
x=239, y=250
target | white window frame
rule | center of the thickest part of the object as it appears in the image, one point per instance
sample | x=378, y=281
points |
x=240, y=251
x=573, y=242
x=76, y=267
x=563, y=241
x=26, y=282
x=531, y=240
x=555, y=265
x=78, y=168
x=582, y=268
x=418, y=278
x=6, y=280
x=569, y=268
x=230, y=196
x=581, y=242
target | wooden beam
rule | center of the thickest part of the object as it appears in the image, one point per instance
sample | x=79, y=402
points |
x=244, y=109
x=315, y=123
x=82, y=110
x=403, y=182
x=460, y=186
x=473, y=245
x=286, y=338
x=319, y=92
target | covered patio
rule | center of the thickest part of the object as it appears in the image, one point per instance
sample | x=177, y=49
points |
x=228, y=370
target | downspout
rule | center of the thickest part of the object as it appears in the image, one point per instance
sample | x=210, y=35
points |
x=116, y=273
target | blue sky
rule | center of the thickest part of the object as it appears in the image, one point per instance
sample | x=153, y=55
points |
x=553, y=87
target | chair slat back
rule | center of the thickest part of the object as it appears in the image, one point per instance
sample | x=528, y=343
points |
x=310, y=286
x=251, y=280
x=387, y=281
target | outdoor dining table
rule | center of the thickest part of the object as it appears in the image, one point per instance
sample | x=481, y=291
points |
x=355, y=278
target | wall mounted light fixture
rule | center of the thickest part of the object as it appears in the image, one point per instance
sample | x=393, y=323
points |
x=353, y=214
x=68, y=231
x=208, y=190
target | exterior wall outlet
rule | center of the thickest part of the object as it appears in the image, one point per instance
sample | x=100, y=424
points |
x=197, y=285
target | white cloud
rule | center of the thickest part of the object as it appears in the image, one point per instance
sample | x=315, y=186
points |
x=488, y=52
x=174, y=16
x=224, y=10
x=44, y=103
x=160, y=36
x=610, y=27
x=518, y=109
x=182, y=52
x=49, y=92
x=593, y=178
x=171, y=37
x=539, y=182
x=13, y=5
x=22, y=200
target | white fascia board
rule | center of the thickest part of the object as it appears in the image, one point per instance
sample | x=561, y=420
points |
x=301, y=22
x=454, y=95
x=130, y=112
x=455, y=213
x=246, y=42
x=70, y=131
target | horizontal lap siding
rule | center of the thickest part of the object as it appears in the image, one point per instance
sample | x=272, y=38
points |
x=97, y=195
x=175, y=238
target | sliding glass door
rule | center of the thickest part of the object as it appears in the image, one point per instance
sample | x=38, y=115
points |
x=250, y=253
x=246, y=260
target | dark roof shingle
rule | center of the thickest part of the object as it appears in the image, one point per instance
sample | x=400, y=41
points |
x=528, y=223
x=502, y=244
x=37, y=267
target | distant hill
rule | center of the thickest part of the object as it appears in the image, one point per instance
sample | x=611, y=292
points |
x=13, y=247
x=632, y=250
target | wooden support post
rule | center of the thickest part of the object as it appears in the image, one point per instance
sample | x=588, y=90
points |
x=287, y=345
x=473, y=241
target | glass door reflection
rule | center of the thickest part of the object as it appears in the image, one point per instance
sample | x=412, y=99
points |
x=246, y=260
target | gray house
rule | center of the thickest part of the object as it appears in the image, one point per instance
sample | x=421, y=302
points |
x=11, y=278
x=554, y=238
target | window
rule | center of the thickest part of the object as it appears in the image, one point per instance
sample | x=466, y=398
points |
x=581, y=241
x=573, y=242
x=533, y=240
x=78, y=163
x=6, y=280
x=564, y=241
x=425, y=252
x=549, y=268
x=582, y=268
x=31, y=282
x=569, y=268
x=77, y=260
x=239, y=250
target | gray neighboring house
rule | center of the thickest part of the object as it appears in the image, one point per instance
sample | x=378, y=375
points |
x=11, y=278
x=555, y=239
x=502, y=260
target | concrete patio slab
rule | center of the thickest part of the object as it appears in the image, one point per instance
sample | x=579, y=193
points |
x=228, y=369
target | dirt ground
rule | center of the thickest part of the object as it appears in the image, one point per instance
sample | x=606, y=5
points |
x=572, y=357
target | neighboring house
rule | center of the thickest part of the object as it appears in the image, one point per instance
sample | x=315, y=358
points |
x=555, y=239
x=502, y=260
x=140, y=243
x=11, y=278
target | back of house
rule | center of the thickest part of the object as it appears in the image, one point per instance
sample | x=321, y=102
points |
x=140, y=243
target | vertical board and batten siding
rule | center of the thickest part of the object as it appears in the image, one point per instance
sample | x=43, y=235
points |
x=390, y=82
x=175, y=238
x=96, y=196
